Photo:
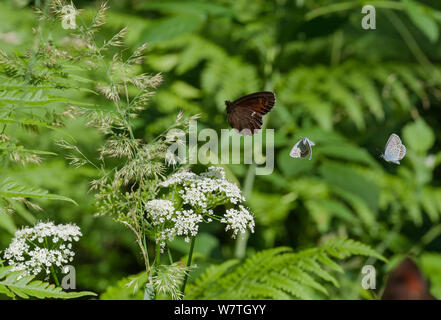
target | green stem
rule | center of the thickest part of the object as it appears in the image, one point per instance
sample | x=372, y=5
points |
x=144, y=242
x=55, y=276
x=157, y=254
x=170, y=258
x=241, y=242
x=190, y=256
x=146, y=253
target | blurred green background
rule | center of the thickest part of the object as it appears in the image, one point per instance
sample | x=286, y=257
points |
x=345, y=88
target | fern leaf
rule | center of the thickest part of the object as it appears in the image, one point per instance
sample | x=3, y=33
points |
x=279, y=273
x=211, y=275
x=11, y=189
x=14, y=284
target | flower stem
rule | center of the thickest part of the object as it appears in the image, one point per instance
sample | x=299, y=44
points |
x=190, y=256
x=145, y=251
x=241, y=242
x=54, y=274
x=169, y=255
x=158, y=254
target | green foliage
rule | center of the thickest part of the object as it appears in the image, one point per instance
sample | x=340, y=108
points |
x=431, y=266
x=278, y=273
x=424, y=18
x=419, y=136
x=128, y=288
x=343, y=87
x=14, y=284
x=10, y=189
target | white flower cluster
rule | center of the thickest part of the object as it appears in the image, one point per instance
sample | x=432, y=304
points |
x=38, y=248
x=207, y=190
x=172, y=223
x=160, y=211
x=238, y=220
x=197, y=189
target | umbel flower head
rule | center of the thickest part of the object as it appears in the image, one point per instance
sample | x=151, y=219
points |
x=36, y=249
x=192, y=200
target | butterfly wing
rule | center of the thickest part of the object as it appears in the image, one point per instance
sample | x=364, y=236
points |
x=406, y=282
x=295, y=151
x=394, y=139
x=246, y=113
x=308, y=143
x=393, y=149
x=301, y=149
x=261, y=102
x=245, y=120
x=402, y=152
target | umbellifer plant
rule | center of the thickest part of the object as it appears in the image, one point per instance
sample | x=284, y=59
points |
x=146, y=190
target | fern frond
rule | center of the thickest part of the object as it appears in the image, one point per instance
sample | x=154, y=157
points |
x=13, y=284
x=11, y=189
x=210, y=277
x=128, y=288
x=279, y=273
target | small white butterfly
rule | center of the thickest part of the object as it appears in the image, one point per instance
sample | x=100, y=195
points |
x=302, y=148
x=395, y=150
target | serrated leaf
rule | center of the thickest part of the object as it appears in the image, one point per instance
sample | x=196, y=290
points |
x=11, y=189
x=15, y=284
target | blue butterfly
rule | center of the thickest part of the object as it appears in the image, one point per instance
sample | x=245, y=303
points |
x=395, y=150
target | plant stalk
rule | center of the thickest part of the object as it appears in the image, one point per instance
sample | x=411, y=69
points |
x=190, y=256
x=157, y=254
x=54, y=275
x=241, y=242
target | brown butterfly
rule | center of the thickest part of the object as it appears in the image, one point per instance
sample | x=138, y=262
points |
x=406, y=282
x=245, y=114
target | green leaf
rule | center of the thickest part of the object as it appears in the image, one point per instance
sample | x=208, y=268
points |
x=13, y=284
x=204, y=245
x=278, y=273
x=431, y=265
x=341, y=95
x=268, y=208
x=349, y=180
x=170, y=28
x=11, y=189
x=348, y=152
x=192, y=7
x=358, y=204
x=423, y=18
x=128, y=288
x=291, y=167
x=418, y=136
x=6, y=221
x=366, y=87
x=339, y=210
x=4, y=118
